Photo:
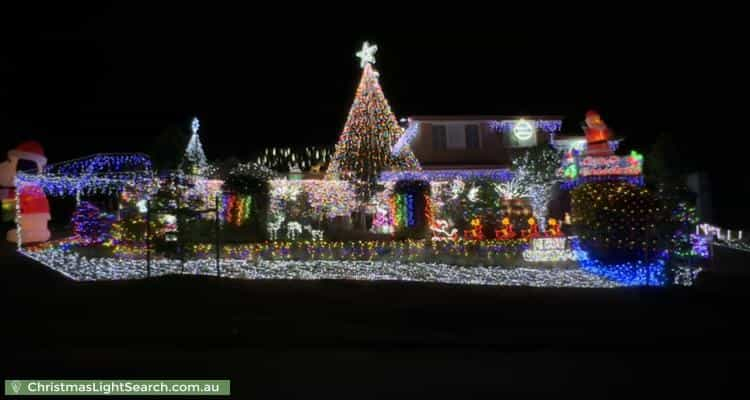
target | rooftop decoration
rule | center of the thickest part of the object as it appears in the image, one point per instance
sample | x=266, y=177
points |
x=596, y=161
x=598, y=136
x=498, y=175
x=612, y=165
x=367, y=54
x=510, y=125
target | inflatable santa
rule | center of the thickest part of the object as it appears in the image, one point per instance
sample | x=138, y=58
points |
x=33, y=206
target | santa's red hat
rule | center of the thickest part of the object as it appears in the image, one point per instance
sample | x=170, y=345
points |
x=29, y=150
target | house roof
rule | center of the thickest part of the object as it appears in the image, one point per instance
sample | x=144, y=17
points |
x=484, y=117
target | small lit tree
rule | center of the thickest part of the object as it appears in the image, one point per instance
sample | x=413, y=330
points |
x=536, y=169
x=194, y=161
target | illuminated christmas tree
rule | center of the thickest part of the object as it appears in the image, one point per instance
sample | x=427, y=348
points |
x=194, y=161
x=364, y=147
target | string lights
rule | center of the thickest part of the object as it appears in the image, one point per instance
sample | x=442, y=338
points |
x=371, y=130
x=549, y=249
x=82, y=268
x=634, y=273
x=285, y=159
x=617, y=218
x=497, y=175
x=237, y=208
x=610, y=207
x=509, y=126
x=96, y=174
x=612, y=165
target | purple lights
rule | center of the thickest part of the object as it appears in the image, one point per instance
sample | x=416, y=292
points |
x=499, y=175
x=507, y=125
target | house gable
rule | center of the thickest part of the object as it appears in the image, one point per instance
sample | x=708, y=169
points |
x=475, y=142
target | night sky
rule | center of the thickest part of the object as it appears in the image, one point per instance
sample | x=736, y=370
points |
x=109, y=78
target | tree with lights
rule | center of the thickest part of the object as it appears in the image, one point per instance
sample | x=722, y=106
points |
x=194, y=161
x=90, y=225
x=364, y=147
x=536, y=170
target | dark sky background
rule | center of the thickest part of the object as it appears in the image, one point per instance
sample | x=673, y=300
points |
x=107, y=77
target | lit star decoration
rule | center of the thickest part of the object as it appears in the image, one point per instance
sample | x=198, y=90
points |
x=367, y=54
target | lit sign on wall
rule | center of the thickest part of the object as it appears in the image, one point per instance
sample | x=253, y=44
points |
x=550, y=243
x=549, y=249
x=523, y=130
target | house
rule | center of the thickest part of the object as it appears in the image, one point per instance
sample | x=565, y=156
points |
x=461, y=146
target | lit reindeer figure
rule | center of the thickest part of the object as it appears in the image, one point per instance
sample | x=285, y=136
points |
x=293, y=229
x=317, y=234
x=274, y=226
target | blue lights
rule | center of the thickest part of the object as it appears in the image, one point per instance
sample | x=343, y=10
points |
x=631, y=273
x=636, y=180
x=406, y=138
x=506, y=126
x=99, y=163
x=99, y=173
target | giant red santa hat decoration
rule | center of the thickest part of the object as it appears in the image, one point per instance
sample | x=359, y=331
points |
x=598, y=136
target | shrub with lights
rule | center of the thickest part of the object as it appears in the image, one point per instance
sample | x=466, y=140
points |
x=91, y=225
x=681, y=221
x=479, y=204
x=617, y=221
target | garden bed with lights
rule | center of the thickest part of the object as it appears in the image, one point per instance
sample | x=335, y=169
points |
x=346, y=261
x=462, y=262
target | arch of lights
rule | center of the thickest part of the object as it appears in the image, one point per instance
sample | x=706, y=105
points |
x=96, y=174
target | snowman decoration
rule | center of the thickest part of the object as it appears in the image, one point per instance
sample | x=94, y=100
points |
x=32, y=205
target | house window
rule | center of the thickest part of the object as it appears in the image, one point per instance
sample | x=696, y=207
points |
x=439, y=140
x=472, y=136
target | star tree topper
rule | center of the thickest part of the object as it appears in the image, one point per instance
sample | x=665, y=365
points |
x=367, y=54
